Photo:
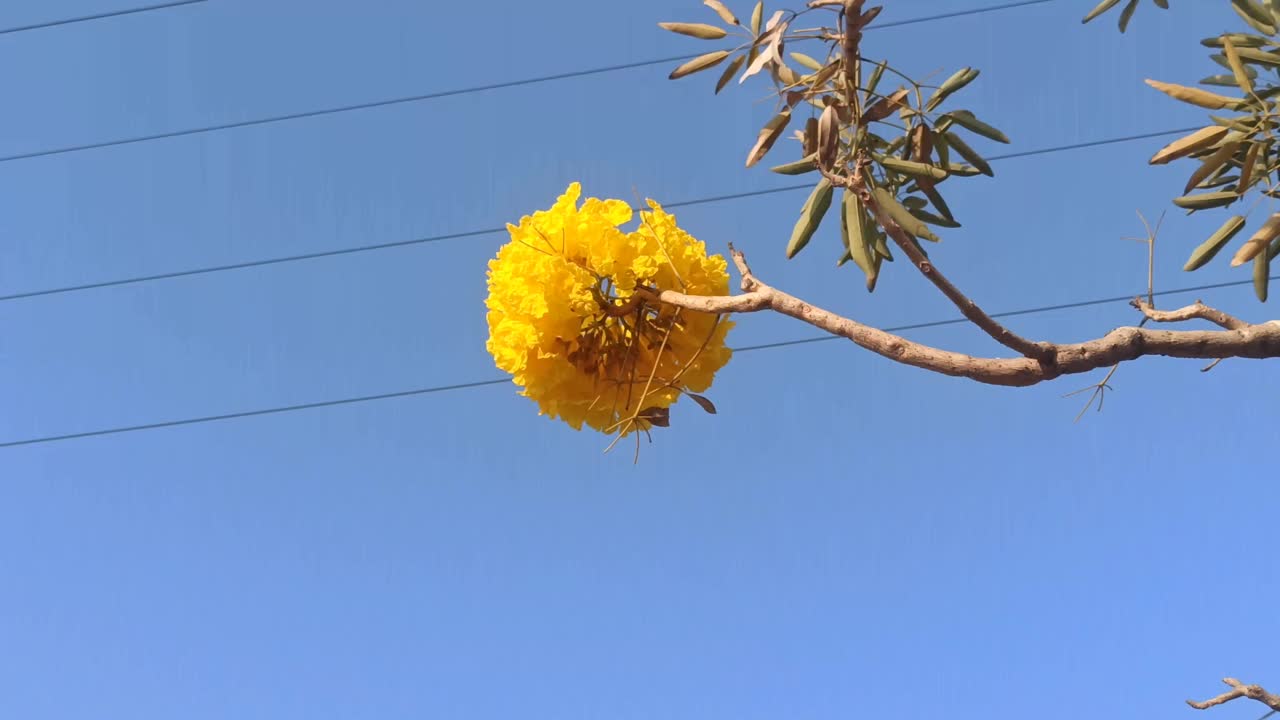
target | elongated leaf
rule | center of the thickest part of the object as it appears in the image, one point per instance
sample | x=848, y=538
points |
x=969, y=154
x=799, y=167
x=910, y=167
x=1269, y=231
x=900, y=215
x=702, y=31
x=1246, y=169
x=1255, y=15
x=1261, y=275
x=1199, y=140
x=966, y=120
x=1218, y=240
x=828, y=138
x=703, y=402
x=722, y=11
x=1127, y=14
x=729, y=72
x=938, y=203
x=962, y=77
x=807, y=61
x=874, y=80
x=1241, y=40
x=810, y=217
x=1101, y=7
x=1237, y=68
x=1258, y=57
x=769, y=134
x=1195, y=96
x=857, y=235
x=1203, y=201
x=928, y=217
x=1211, y=164
x=702, y=62
x=884, y=107
x=757, y=15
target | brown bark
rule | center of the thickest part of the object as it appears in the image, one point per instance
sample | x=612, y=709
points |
x=1239, y=340
x=1239, y=690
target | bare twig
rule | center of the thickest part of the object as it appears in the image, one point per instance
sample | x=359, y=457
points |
x=1239, y=690
x=1119, y=345
x=1194, y=311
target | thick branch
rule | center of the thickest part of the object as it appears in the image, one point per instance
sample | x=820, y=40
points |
x=1120, y=345
x=1194, y=311
x=1043, y=352
x=1239, y=690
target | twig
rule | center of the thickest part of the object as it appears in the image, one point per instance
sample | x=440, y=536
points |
x=1239, y=690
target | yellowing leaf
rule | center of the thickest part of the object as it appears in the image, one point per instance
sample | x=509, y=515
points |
x=1269, y=231
x=702, y=62
x=1195, y=96
x=701, y=31
x=769, y=134
x=1199, y=140
x=722, y=11
x=729, y=71
x=807, y=61
x=1237, y=68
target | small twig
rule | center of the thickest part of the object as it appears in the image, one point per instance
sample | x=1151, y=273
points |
x=1239, y=690
x=1195, y=311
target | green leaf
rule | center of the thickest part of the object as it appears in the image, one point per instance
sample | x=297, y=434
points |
x=1255, y=15
x=909, y=167
x=1127, y=14
x=857, y=231
x=968, y=121
x=799, y=167
x=1261, y=275
x=1203, y=201
x=810, y=217
x=969, y=154
x=902, y=216
x=1218, y=240
x=962, y=77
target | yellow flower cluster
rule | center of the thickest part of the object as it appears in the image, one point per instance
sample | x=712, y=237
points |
x=566, y=320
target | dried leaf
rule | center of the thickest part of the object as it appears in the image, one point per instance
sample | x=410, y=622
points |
x=1203, y=138
x=722, y=11
x=729, y=72
x=769, y=134
x=884, y=107
x=828, y=138
x=1211, y=164
x=1209, y=248
x=807, y=61
x=1196, y=96
x=1237, y=68
x=815, y=208
x=1269, y=231
x=657, y=417
x=1102, y=7
x=702, y=62
x=703, y=402
x=701, y=31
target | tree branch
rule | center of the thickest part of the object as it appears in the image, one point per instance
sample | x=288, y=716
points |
x=1239, y=690
x=1119, y=345
x=1194, y=311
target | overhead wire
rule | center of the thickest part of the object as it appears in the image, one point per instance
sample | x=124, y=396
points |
x=98, y=16
x=444, y=93
x=496, y=230
x=500, y=381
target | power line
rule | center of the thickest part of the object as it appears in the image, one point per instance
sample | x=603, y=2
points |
x=440, y=94
x=497, y=230
x=99, y=16
x=500, y=381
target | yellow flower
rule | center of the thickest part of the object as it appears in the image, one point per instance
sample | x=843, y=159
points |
x=566, y=322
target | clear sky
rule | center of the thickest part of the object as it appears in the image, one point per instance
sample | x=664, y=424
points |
x=847, y=538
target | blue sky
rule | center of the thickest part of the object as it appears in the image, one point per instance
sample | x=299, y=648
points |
x=846, y=538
